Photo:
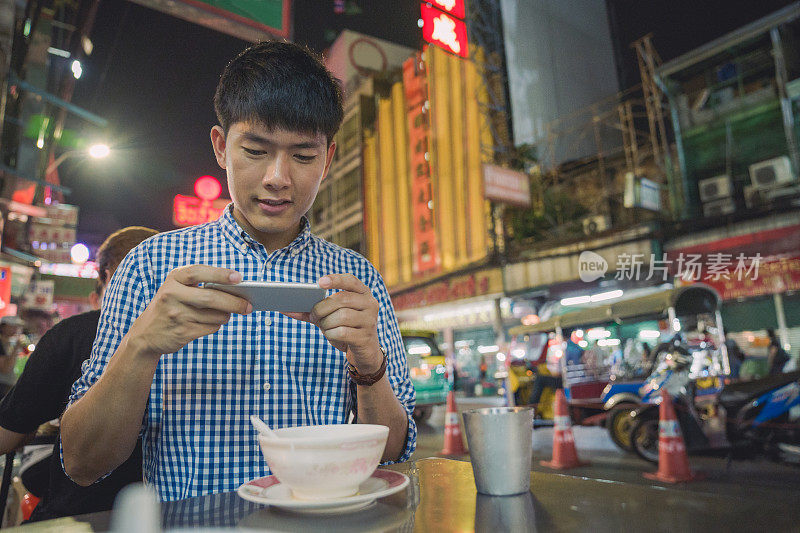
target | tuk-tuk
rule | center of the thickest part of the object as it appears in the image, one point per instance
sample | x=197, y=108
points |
x=426, y=363
x=597, y=388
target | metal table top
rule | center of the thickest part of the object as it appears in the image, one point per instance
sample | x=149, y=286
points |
x=442, y=497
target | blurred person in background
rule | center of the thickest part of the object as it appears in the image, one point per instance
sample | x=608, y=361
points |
x=41, y=394
x=38, y=322
x=10, y=346
x=550, y=375
x=776, y=355
x=735, y=355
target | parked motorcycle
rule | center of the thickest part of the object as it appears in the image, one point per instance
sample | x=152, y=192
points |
x=672, y=373
x=744, y=419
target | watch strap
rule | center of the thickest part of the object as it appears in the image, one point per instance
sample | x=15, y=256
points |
x=368, y=379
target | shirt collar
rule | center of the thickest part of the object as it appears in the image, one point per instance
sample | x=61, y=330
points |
x=239, y=236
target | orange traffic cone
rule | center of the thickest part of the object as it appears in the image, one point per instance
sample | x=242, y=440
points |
x=564, y=454
x=453, y=443
x=673, y=461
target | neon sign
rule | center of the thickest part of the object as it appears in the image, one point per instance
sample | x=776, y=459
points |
x=454, y=7
x=191, y=210
x=444, y=31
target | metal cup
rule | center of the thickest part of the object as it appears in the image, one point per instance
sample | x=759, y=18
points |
x=515, y=514
x=500, y=446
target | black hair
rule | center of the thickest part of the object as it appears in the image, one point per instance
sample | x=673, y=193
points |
x=280, y=85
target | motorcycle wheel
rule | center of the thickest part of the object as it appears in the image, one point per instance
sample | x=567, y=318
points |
x=644, y=439
x=619, y=424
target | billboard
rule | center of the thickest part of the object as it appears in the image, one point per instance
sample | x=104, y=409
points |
x=250, y=20
x=560, y=59
x=354, y=56
x=506, y=185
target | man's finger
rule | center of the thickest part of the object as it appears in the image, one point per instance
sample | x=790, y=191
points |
x=202, y=298
x=304, y=317
x=342, y=317
x=207, y=298
x=345, y=282
x=195, y=274
x=342, y=334
x=208, y=317
x=342, y=300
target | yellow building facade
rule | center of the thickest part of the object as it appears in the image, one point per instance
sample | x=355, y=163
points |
x=425, y=213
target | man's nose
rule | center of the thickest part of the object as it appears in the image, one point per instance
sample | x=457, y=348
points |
x=278, y=174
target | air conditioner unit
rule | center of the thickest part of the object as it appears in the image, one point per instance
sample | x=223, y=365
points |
x=715, y=188
x=771, y=173
x=717, y=208
x=594, y=224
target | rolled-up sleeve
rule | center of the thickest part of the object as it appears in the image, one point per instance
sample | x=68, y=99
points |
x=397, y=363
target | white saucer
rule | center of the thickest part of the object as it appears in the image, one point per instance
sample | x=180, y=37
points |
x=269, y=491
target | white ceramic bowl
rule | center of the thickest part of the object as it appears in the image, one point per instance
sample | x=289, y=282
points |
x=323, y=462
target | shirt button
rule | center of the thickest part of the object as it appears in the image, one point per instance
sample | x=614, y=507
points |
x=267, y=386
x=267, y=321
x=245, y=248
x=295, y=251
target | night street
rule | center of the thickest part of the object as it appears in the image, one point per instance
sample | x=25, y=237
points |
x=755, y=480
x=245, y=244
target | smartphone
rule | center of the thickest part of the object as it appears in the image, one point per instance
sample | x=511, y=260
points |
x=275, y=296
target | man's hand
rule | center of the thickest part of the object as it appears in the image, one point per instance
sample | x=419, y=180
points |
x=181, y=312
x=349, y=320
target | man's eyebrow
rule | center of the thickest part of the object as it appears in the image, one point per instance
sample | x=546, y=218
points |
x=254, y=137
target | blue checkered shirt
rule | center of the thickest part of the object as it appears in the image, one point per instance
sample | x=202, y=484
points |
x=196, y=434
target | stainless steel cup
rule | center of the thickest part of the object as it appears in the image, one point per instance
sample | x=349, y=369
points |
x=514, y=514
x=500, y=447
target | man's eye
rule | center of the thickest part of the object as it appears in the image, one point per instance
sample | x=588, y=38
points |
x=305, y=158
x=251, y=151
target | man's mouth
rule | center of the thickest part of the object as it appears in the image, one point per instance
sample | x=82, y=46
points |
x=274, y=206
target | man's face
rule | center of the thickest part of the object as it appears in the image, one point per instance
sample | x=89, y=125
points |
x=273, y=177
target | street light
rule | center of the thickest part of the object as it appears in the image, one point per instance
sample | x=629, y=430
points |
x=97, y=151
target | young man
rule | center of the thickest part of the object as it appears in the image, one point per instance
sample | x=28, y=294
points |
x=187, y=365
x=42, y=391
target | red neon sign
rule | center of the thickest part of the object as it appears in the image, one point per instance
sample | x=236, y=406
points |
x=454, y=7
x=444, y=31
x=207, y=188
x=190, y=210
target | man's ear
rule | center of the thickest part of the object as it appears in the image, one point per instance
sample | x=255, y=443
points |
x=218, y=142
x=329, y=159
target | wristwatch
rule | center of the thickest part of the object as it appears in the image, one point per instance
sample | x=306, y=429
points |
x=368, y=379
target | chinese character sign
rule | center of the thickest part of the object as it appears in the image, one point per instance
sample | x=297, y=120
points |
x=416, y=91
x=444, y=31
x=190, y=210
x=454, y=7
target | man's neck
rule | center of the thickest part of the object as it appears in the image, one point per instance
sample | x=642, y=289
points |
x=271, y=242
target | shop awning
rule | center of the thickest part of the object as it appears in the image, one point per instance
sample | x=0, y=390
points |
x=688, y=300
